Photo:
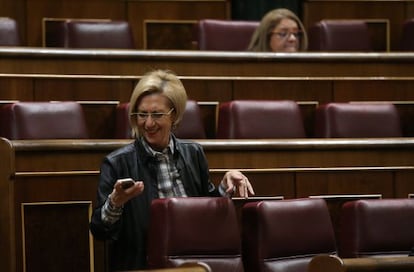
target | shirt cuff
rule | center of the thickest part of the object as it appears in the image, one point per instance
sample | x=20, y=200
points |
x=109, y=213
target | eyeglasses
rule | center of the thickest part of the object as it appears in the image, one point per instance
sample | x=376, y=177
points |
x=154, y=115
x=285, y=34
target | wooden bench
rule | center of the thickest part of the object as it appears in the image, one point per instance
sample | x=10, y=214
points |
x=51, y=177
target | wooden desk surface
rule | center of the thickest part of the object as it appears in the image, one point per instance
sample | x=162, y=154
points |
x=203, y=63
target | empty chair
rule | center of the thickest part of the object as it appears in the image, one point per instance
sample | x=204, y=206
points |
x=191, y=126
x=250, y=119
x=84, y=33
x=224, y=35
x=194, y=229
x=9, y=32
x=43, y=120
x=106, y=34
x=365, y=120
x=377, y=227
x=122, y=127
x=339, y=35
x=284, y=235
x=407, y=36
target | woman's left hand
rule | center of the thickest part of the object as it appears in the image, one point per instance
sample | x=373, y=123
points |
x=234, y=180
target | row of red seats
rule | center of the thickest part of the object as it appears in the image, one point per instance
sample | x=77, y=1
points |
x=259, y=119
x=275, y=235
x=223, y=35
x=239, y=119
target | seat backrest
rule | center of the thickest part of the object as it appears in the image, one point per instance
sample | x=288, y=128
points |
x=253, y=119
x=9, y=32
x=349, y=120
x=99, y=34
x=339, y=35
x=407, y=36
x=284, y=235
x=191, y=126
x=194, y=229
x=376, y=227
x=224, y=35
x=122, y=126
x=43, y=120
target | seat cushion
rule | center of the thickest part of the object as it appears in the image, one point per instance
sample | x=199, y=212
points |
x=225, y=35
x=339, y=35
x=338, y=120
x=43, y=120
x=300, y=229
x=9, y=32
x=194, y=228
x=99, y=34
x=377, y=227
x=253, y=119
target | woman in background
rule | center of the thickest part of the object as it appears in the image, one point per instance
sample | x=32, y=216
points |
x=280, y=30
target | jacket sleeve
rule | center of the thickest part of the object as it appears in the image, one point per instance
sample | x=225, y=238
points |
x=107, y=179
x=205, y=173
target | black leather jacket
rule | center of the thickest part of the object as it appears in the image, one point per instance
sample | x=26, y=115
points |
x=127, y=237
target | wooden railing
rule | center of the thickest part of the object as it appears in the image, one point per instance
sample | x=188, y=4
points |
x=58, y=175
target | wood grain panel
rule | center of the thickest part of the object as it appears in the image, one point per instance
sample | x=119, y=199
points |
x=43, y=219
x=139, y=11
x=36, y=10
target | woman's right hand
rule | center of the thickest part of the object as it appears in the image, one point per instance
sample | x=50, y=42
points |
x=121, y=195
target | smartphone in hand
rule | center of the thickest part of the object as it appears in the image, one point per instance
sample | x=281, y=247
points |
x=126, y=183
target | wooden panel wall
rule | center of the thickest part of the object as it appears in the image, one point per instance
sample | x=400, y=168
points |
x=29, y=14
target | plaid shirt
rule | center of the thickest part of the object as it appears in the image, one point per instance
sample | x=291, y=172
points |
x=169, y=183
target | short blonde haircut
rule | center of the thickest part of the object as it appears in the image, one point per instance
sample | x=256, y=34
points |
x=161, y=82
x=260, y=41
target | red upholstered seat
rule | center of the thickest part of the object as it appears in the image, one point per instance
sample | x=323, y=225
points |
x=407, y=36
x=225, y=35
x=339, y=35
x=346, y=120
x=43, y=120
x=284, y=235
x=99, y=34
x=9, y=32
x=191, y=126
x=377, y=227
x=194, y=229
x=252, y=119
x=122, y=126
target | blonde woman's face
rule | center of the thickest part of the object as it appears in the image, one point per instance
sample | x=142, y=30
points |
x=285, y=37
x=155, y=120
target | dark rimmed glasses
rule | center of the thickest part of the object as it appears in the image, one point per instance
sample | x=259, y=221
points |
x=285, y=34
